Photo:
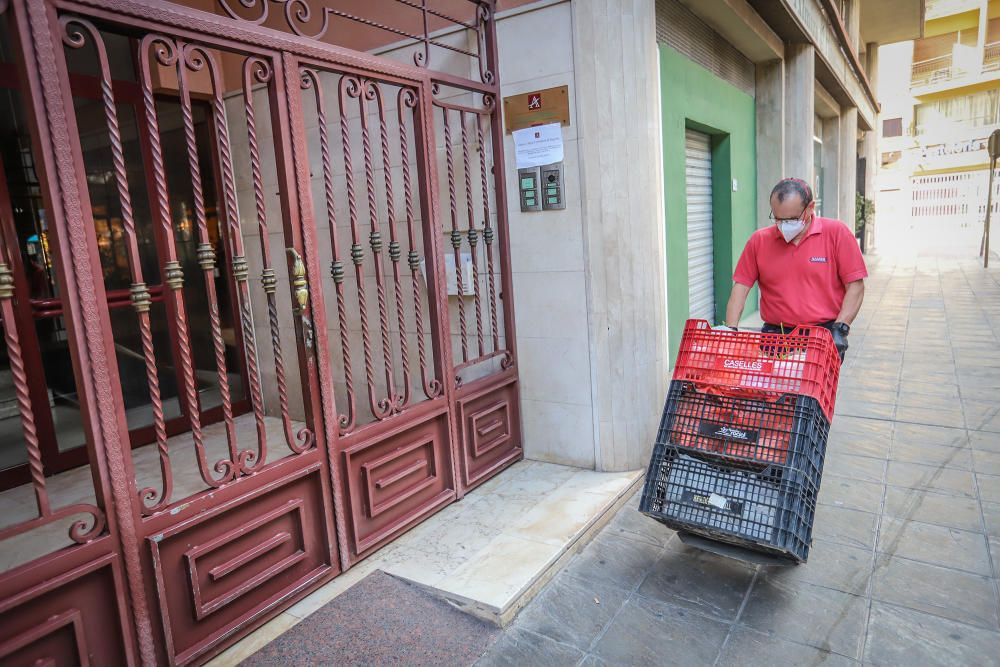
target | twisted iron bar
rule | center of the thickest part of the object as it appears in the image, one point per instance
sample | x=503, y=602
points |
x=79, y=531
x=22, y=394
x=488, y=235
x=471, y=231
x=387, y=405
x=395, y=254
x=166, y=55
x=310, y=81
x=259, y=70
x=191, y=58
x=247, y=461
x=407, y=99
x=73, y=34
x=456, y=236
x=350, y=87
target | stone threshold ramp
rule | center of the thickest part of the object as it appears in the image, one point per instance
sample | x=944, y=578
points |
x=488, y=554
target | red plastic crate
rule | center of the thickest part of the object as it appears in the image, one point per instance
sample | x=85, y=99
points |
x=804, y=361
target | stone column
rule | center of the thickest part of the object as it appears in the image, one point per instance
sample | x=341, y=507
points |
x=847, y=176
x=770, y=103
x=800, y=106
x=618, y=92
x=831, y=167
x=847, y=181
x=870, y=143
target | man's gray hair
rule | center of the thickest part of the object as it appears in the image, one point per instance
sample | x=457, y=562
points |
x=790, y=186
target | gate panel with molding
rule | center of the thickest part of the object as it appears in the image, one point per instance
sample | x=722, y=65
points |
x=246, y=232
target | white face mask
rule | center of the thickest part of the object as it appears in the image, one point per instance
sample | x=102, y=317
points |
x=791, y=228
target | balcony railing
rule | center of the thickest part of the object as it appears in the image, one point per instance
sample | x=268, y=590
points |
x=931, y=71
x=943, y=68
x=991, y=57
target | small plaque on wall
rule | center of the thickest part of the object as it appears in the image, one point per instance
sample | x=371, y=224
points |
x=538, y=107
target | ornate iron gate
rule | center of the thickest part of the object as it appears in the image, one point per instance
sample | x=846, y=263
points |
x=319, y=344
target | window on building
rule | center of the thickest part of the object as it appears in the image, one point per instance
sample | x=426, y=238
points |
x=892, y=127
x=977, y=110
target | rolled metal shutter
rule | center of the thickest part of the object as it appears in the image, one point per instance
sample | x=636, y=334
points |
x=701, y=264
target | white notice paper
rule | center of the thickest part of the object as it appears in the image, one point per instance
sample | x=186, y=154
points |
x=535, y=146
x=451, y=275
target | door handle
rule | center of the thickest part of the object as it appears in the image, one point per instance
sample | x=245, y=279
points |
x=300, y=290
x=300, y=286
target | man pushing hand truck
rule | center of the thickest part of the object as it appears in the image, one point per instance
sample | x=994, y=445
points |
x=738, y=458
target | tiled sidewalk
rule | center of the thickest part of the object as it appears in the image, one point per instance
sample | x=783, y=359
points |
x=906, y=557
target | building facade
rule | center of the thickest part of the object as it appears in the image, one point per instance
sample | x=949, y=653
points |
x=686, y=113
x=935, y=123
x=261, y=261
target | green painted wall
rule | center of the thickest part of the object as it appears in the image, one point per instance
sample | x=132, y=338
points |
x=693, y=97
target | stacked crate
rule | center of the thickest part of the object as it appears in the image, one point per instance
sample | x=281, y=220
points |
x=739, y=453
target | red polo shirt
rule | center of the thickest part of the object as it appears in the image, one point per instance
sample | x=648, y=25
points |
x=805, y=283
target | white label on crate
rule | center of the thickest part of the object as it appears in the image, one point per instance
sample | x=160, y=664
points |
x=717, y=501
x=757, y=365
x=712, y=500
x=726, y=432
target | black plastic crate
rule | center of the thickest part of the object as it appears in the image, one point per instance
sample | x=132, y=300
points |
x=743, y=469
x=758, y=431
x=765, y=512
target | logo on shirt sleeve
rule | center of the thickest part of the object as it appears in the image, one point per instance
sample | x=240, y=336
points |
x=821, y=260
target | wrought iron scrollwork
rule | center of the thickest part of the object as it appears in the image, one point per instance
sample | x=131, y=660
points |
x=76, y=32
x=313, y=19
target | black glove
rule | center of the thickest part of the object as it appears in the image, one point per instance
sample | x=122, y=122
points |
x=840, y=330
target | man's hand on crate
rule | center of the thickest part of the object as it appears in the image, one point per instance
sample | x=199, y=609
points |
x=724, y=327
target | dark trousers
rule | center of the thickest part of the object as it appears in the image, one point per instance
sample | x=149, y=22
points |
x=787, y=328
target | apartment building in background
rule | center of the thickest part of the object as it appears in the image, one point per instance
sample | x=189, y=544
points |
x=934, y=178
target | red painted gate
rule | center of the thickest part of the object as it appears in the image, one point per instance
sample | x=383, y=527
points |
x=256, y=286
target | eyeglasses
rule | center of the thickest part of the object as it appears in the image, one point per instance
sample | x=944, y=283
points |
x=771, y=217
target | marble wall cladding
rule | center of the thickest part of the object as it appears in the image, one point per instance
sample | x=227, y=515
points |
x=547, y=254
x=615, y=71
